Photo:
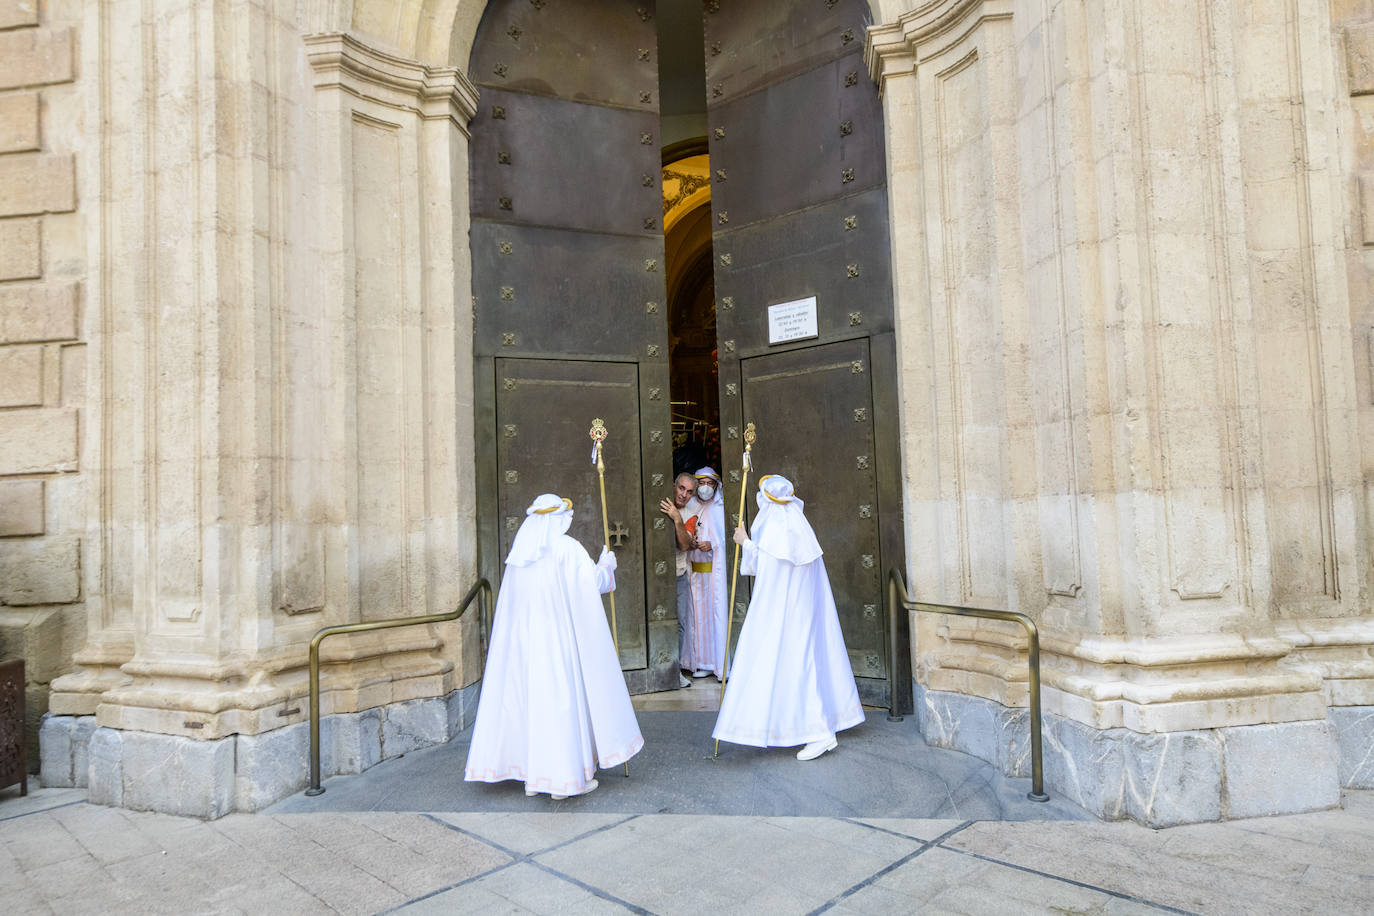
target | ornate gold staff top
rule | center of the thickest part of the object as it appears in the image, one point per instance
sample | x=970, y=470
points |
x=598, y=434
x=749, y=437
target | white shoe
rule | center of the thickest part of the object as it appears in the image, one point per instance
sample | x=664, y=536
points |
x=531, y=793
x=590, y=786
x=816, y=748
x=683, y=682
x=700, y=672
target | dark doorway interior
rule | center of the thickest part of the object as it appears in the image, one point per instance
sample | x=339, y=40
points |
x=692, y=357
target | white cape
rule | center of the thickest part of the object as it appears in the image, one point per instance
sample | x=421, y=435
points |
x=554, y=703
x=790, y=680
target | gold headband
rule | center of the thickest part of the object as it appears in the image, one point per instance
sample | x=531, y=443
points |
x=707, y=477
x=780, y=502
x=567, y=504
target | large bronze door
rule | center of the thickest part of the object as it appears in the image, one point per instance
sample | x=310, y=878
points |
x=799, y=202
x=567, y=257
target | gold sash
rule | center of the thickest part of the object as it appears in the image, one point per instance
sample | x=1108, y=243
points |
x=698, y=567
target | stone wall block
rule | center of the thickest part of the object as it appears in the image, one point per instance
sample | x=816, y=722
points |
x=1354, y=726
x=21, y=249
x=105, y=781
x=21, y=508
x=350, y=743
x=36, y=57
x=1359, y=57
x=19, y=123
x=412, y=725
x=1366, y=191
x=55, y=756
x=34, y=183
x=1281, y=769
x=21, y=377
x=1013, y=742
x=175, y=775
x=34, y=313
x=272, y=765
x=38, y=441
x=1085, y=765
x=1173, y=778
x=959, y=723
x=81, y=749
x=462, y=708
x=18, y=12
x=46, y=571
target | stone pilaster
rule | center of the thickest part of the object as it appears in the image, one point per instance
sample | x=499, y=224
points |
x=278, y=396
x=1116, y=241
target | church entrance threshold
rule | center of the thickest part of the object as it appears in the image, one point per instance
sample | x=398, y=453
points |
x=881, y=769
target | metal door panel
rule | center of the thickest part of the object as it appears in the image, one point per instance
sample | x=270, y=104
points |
x=814, y=414
x=592, y=50
x=568, y=292
x=556, y=292
x=803, y=141
x=544, y=409
x=836, y=252
x=752, y=45
x=560, y=162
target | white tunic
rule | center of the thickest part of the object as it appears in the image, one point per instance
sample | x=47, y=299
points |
x=705, y=630
x=790, y=679
x=554, y=703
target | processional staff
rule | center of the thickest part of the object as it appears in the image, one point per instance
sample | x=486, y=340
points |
x=598, y=434
x=749, y=437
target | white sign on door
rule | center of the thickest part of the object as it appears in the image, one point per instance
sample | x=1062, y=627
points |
x=792, y=320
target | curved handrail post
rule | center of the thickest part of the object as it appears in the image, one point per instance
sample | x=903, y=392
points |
x=481, y=587
x=897, y=594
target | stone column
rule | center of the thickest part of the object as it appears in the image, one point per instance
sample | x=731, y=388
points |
x=276, y=383
x=1130, y=392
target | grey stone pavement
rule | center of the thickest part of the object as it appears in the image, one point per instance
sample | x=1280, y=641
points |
x=883, y=825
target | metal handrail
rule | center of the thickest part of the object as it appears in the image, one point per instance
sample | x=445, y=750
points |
x=896, y=586
x=482, y=587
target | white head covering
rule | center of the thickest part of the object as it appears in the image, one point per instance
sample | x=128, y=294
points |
x=780, y=529
x=710, y=473
x=546, y=520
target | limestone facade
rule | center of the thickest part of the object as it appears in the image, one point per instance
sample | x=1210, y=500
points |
x=1132, y=247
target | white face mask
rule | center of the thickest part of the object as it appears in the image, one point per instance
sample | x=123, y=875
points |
x=705, y=492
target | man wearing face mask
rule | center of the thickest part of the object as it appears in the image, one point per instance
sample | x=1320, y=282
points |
x=684, y=493
x=705, y=650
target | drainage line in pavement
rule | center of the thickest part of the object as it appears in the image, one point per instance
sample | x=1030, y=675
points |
x=929, y=844
x=1091, y=887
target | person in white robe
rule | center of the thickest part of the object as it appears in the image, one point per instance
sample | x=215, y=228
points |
x=790, y=680
x=705, y=648
x=554, y=704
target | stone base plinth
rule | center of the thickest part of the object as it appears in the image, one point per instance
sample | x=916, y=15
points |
x=1166, y=778
x=1355, y=736
x=176, y=775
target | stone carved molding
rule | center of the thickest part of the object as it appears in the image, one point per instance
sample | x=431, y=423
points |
x=340, y=59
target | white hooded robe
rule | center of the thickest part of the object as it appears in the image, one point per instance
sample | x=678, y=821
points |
x=554, y=704
x=790, y=679
x=704, y=647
